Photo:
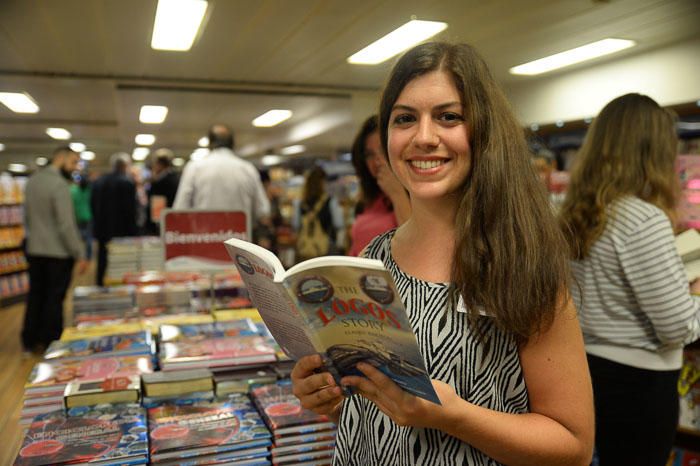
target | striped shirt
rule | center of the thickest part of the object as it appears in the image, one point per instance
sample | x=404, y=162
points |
x=632, y=292
x=485, y=372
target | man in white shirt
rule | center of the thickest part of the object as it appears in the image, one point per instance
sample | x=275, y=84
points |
x=222, y=180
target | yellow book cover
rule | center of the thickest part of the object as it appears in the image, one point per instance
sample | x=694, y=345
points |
x=74, y=333
x=237, y=314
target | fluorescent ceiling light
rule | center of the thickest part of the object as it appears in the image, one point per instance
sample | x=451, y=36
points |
x=398, y=40
x=569, y=57
x=177, y=23
x=140, y=153
x=2, y=147
x=41, y=161
x=145, y=139
x=291, y=150
x=87, y=155
x=178, y=161
x=58, y=133
x=272, y=118
x=19, y=102
x=203, y=142
x=17, y=167
x=268, y=160
x=199, y=154
x=77, y=147
x=153, y=114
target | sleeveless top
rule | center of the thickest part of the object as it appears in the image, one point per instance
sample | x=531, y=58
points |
x=485, y=372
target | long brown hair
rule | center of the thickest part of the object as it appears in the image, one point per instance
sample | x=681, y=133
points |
x=630, y=150
x=370, y=188
x=314, y=187
x=510, y=256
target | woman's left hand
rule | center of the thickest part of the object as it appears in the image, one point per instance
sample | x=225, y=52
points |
x=402, y=407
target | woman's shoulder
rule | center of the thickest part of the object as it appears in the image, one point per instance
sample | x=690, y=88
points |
x=379, y=247
x=630, y=214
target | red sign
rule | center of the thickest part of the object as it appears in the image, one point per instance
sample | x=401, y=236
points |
x=194, y=240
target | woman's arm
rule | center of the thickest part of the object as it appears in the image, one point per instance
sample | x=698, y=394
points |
x=559, y=429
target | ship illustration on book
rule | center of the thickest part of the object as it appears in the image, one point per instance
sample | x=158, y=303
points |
x=347, y=309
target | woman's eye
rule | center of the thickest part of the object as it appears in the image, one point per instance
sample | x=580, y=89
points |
x=403, y=119
x=451, y=117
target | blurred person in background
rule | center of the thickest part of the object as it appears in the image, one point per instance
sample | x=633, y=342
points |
x=163, y=188
x=222, y=181
x=265, y=233
x=113, y=208
x=318, y=218
x=81, y=193
x=52, y=246
x=631, y=289
x=384, y=202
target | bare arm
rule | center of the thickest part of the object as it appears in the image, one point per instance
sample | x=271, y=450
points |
x=558, y=430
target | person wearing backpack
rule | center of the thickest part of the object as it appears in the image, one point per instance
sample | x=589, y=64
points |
x=319, y=219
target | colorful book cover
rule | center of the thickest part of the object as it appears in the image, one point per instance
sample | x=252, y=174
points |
x=53, y=376
x=75, y=333
x=205, y=428
x=110, y=390
x=110, y=345
x=280, y=408
x=347, y=309
x=241, y=350
x=196, y=332
x=102, y=434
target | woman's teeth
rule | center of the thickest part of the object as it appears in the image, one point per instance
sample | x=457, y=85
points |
x=426, y=164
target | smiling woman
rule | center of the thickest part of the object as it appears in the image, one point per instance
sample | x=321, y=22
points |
x=487, y=301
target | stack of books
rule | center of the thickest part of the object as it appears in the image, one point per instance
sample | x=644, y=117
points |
x=122, y=257
x=93, y=305
x=220, y=346
x=299, y=435
x=230, y=432
x=104, y=435
x=242, y=381
x=151, y=253
x=178, y=387
x=168, y=298
x=122, y=344
x=47, y=383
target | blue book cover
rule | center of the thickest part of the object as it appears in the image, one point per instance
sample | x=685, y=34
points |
x=197, y=332
x=104, y=434
x=347, y=309
x=182, y=431
x=124, y=344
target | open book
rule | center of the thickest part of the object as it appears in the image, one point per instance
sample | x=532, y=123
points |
x=688, y=247
x=346, y=309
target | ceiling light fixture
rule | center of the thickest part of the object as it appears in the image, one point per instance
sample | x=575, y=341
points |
x=271, y=159
x=398, y=40
x=272, y=118
x=153, y=114
x=140, y=153
x=2, y=147
x=17, y=167
x=87, y=155
x=145, y=139
x=19, y=102
x=58, y=133
x=177, y=23
x=77, y=147
x=41, y=161
x=291, y=150
x=178, y=161
x=569, y=57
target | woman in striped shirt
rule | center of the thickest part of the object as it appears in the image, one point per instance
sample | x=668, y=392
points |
x=482, y=270
x=630, y=287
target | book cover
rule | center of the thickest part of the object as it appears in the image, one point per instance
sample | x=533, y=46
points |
x=111, y=390
x=281, y=409
x=345, y=308
x=53, y=376
x=75, y=333
x=109, y=345
x=103, y=434
x=205, y=428
x=196, y=332
x=160, y=384
x=242, y=350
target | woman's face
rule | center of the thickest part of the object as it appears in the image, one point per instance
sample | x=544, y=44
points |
x=428, y=137
x=374, y=154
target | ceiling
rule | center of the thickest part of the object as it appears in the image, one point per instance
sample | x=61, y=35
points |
x=89, y=64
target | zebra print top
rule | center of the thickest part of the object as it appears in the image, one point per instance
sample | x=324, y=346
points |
x=486, y=373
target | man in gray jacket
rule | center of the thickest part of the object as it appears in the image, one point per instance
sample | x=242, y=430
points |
x=53, y=246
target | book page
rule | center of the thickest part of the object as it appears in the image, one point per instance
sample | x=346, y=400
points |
x=357, y=315
x=688, y=245
x=275, y=306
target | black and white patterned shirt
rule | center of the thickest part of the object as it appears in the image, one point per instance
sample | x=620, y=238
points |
x=485, y=372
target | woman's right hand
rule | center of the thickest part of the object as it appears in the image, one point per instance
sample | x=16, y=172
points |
x=316, y=391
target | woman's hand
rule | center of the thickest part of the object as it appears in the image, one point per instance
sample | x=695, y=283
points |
x=316, y=391
x=402, y=407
